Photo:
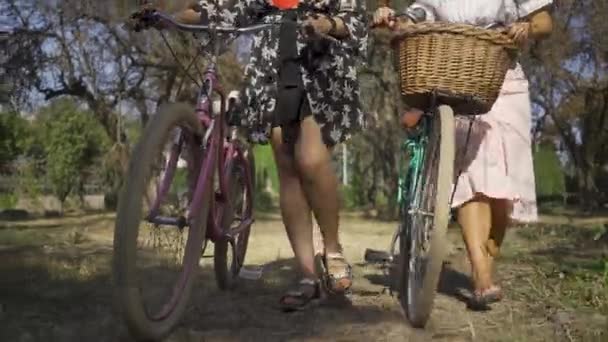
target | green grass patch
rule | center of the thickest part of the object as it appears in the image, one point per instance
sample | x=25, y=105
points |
x=8, y=201
x=265, y=171
x=265, y=166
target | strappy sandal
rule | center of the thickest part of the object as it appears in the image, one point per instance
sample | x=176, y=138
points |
x=481, y=300
x=339, y=273
x=306, y=294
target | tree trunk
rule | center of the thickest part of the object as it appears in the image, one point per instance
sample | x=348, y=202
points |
x=588, y=191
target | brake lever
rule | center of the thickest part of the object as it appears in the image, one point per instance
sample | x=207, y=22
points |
x=143, y=19
x=494, y=25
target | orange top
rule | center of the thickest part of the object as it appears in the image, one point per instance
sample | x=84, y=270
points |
x=285, y=4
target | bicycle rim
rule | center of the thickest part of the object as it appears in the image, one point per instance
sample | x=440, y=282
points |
x=230, y=254
x=146, y=320
x=425, y=221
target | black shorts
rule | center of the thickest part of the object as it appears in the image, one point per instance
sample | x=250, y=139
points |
x=292, y=106
x=292, y=103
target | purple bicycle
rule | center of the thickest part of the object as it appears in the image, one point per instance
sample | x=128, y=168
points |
x=191, y=175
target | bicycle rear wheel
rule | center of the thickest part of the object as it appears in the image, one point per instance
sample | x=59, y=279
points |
x=150, y=311
x=230, y=251
x=425, y=219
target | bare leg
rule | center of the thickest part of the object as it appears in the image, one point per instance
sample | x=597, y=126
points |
x=500, y=210
x=317, y=239
x=319, y=181
x=320, y=185
x=475, y=219
x=295, y=210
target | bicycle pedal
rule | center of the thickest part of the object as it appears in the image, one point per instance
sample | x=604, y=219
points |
x=251, y=272
x=377, y=257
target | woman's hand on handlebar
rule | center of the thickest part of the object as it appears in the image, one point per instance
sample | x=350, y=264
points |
x=144, y=19
x=325, y=26
x=384, y=16
x=519, y=32
x=319, y=24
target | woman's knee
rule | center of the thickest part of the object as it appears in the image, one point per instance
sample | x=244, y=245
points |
x=311, y=163
x=312, y=156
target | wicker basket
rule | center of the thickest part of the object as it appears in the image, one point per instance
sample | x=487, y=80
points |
x=463, y=65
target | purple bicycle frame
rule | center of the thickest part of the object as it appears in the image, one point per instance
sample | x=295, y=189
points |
x=227, y=149
x=214, y=140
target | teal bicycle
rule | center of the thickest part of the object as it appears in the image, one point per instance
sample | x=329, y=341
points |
x=424, y=189
x=417, y=250
x=425, y=184
x=446, y=69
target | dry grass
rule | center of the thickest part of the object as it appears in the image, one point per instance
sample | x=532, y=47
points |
x=56, y=285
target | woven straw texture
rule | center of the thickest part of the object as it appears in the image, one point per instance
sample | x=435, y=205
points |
x=463, y=64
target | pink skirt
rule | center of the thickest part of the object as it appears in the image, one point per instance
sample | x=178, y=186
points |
x=497, y=161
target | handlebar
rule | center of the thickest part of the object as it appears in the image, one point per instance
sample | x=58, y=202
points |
x=208, y=28
x=156, y=16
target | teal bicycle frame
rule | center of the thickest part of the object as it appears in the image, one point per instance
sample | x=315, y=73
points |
x=410, y=174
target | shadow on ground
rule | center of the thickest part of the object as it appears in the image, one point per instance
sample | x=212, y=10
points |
x=66, y=295
x=452, y=282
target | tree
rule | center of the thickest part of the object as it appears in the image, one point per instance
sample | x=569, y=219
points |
x=13, y=133
x=81, y=49
x=73, y=141
x=569, y=87
x=376, y=151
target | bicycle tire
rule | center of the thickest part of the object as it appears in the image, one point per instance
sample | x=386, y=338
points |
x=227, y=275
x=418, y=305
x=129, y=215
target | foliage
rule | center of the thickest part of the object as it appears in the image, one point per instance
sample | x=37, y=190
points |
x=348, y=196
x=13, y=133
x=265, y=167
x=72, y=142
x=7, y=200
x=29, y=174
x=569, y=86
x=267, y=179
x=550, y=180
x=81, y=50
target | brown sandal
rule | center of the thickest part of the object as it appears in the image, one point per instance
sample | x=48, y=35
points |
x=306, y=294
x=481, y=299
x=339, y=273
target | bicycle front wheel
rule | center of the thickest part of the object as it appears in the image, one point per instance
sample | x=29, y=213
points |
x=157, y=243
x=425, y=219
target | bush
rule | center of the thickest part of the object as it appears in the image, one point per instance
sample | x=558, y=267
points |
x=265, y=167
x=550, y=179
x=73, y=141
x=8, y=201
x=263, y=201
x=348, y=196
x=265, y=170
x=13, y=133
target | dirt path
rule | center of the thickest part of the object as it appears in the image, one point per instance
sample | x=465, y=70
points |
x=55, y=286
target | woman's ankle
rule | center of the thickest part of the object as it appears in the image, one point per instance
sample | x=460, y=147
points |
x=333, y=247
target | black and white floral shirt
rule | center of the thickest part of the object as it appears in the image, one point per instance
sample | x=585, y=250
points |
x=332, y=88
